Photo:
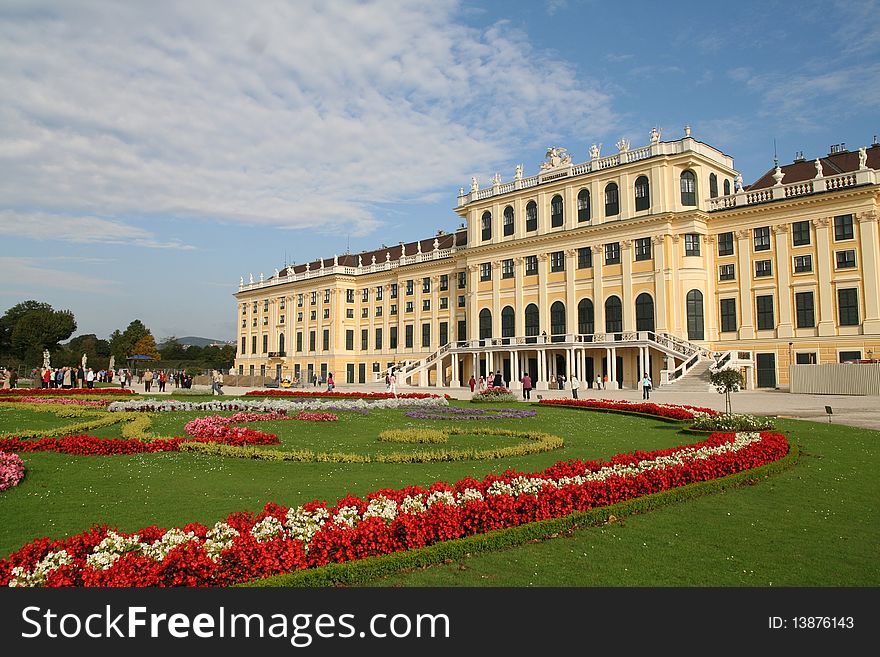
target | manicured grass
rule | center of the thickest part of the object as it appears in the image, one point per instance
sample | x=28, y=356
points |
x=815, y=524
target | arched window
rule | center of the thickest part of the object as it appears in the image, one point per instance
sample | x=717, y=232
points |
x=485, y=324
x=557, y=321
x=508, y=221
x=713, y=186
x=643, y=193
x=531, y=216
x=726, y=187
x=612, y=201
x=486, y=225
x=644, y=312
x=584, y=205
x=281, y=343
x=556, y=217
x=508, y=323
x=688, y=188
x=695, y=315
x=586, y=323
x=613, y=315
x=532, y=320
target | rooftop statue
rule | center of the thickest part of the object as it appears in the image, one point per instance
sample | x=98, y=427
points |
x=594, y=151
x=556, y=157
x=863, y=158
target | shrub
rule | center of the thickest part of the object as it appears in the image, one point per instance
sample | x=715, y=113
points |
x=497, y=394
x=731, y=422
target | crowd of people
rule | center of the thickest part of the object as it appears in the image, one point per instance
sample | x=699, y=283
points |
x=86, y=377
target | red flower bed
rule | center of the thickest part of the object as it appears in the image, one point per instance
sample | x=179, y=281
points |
x=275, y=541
x=92, y=403
x=84, y=445
x=676, y=412
x=346, y=395
x=49, y=392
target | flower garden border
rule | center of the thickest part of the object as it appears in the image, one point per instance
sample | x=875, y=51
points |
x=363, y=571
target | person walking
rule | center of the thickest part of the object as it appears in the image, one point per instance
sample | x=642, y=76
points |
x=646, y=386
x=497, y=382
x=90, y=378
x=393, y=384
x=472, y=383
x=482, y=383
x=526, y=381
x=331, y=384
x=604, y=382
x=575, y=384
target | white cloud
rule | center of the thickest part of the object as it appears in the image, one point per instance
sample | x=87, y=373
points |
x=82, y=230
x=288, y=114
x=24, y=276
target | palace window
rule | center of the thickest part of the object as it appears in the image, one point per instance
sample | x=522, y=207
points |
x=725, y=244
x=326, y=313
x=349, y=340
x=394, y=290
x=365, y=312
x=643, y=248
x=325, y=340
x=586, y=317
x=485, y=271
x=393, y=309
x=426, y=284
x=444, y=303
x=845, y=259
x=365, y=295
x=426, y=304
x=692, y=244
x=713, y=186
x=695, y=322
x=612, y=253
x=409, y=287
x=531, y=265
x=848, y=307
x=765, y=316
x=688, y=184
x=843, y=227
x=392, y=337
x=643, y=196
x=326, y=296
x=378, y=311
x=349, y=296
x=312, y=337
x=365, y=339
x=508, y=221
x=557, y=261
x=426, y=335
x=803, y=263
x=507, y=268
x=613, y=315
x=462, y=280
x=508, y=322
x=486, y=226
x=532, y=319
x=583, y=203
x=612, y=200
x=800, y=233
x=531, y=216
x=378, y=339
x=763, y=268
x=585, y=257
x=379, y=291
x=556, y=214
x=762, y=238
x=349, y=313
x=444, y=282
x=408, y=336
x=727, y=273
x=728, y=315
x=804, y=310
x=314, y=298
x=409, y=306
x=461, y=301
x=485, y=324
x=644, y=312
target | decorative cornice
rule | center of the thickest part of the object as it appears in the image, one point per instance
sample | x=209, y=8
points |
x=822, y=222
x=742, y=234
x=780, y=229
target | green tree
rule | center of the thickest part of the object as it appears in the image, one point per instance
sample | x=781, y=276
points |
x=726, y=382
x=122, y=343
x=172, y=349
x=29, y=327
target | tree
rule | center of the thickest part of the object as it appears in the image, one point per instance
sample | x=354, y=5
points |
x=122, y=344
x=29, y=327
x=172, y=349
x=726, y=382
x=95, y=349
x=146, y=346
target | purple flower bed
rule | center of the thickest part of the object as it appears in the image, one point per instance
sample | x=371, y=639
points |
x=456, y=413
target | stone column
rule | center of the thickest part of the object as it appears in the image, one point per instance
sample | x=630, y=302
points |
x=744, y=277
x=473, y=314
x=824, y=254
x=519, y=305
x=661, y=322
x=678, y=308
x=785, y=327
x=598, y=294
x=629, y=309
x=544, y=309
x=570, y=303
x=870, y=270
x=496, y=298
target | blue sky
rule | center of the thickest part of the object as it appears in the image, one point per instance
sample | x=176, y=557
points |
x=151, y=153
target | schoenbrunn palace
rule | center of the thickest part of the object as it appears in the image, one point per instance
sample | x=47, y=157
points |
x=654, y=259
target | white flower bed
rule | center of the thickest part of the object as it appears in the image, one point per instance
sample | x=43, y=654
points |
x=266, y=405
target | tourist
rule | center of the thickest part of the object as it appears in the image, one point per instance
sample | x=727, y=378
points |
x=482, y=383
x=216, y=382
x=498, y=382
x=163, y=378
x=526, y=381
x=575, y=384
x=472, y=383
x=598, y=382
x=47, y=375
x=67, y=377
x=128, y=378
x=90, y=378
x=330, y=383
x=646, y=386
x=388, y=381
x=604, y=382
x=393, y=384
x=148, y=380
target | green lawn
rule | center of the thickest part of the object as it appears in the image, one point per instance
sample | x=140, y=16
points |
x=815, y=524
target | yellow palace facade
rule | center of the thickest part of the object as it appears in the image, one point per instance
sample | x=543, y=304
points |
x=652, y=259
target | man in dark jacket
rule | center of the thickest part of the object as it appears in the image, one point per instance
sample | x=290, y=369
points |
x=497, y=382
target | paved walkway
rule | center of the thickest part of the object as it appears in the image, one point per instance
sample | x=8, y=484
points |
x=857, y=411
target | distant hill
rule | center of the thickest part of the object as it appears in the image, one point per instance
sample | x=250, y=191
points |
x=194, y=341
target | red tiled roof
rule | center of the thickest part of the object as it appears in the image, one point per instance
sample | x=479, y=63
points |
x=832, y=165
x=445, y=241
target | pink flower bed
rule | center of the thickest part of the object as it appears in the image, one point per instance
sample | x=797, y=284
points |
x=676, y=412
x=279, y=539
x=11, y=470
x=343, y=395
x=60, y=392
x=58, y=400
